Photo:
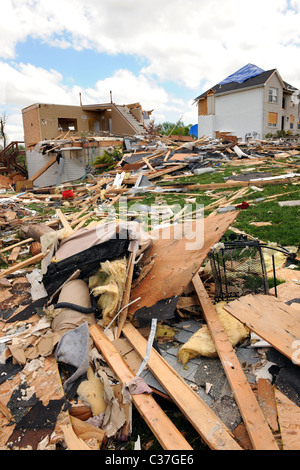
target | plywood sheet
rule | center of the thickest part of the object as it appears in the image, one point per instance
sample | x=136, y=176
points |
x=271, y=319
x=289, y=421
x=177, y=258
x=42, y=382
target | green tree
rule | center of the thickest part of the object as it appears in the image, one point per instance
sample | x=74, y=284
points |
x=178, y=128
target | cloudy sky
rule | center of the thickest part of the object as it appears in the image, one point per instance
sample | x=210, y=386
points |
x=161, y=53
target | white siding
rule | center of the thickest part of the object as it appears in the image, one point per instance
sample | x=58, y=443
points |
x=240, y=113
x=73, y=169
x=206, y=126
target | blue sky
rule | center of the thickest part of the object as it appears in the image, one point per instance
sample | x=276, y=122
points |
x=83, y=67
x=162, y=54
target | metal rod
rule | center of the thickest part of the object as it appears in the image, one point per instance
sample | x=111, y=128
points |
x=274, y=275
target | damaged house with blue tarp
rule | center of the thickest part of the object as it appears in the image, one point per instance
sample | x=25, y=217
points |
x=249, y=104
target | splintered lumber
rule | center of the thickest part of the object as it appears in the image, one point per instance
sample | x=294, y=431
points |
x=127, y=289
x=289, y=421
x=256, y=425
x=73, y=442
x=162, y=427
x=271, y=319
x=64, y=222
x=231, y=184
x=43, y=169
x=148, y=164
x=45, y=384
x=215, y=434
x=22, y=264
x=11, y=247
x=14, y=254
x=266, y=396
x=178, y=253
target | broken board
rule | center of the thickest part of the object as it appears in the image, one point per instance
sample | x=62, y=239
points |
x=178, y=253
x=32, y=408
x=163, y=428
x=215, y=434
x=258, y=430
x=271, y=319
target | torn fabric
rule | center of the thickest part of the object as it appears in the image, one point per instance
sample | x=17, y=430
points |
x=73, y=349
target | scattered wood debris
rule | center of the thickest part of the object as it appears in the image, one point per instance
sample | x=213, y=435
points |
x=99, y=291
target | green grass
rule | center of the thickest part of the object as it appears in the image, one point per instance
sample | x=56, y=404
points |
x=285, y=228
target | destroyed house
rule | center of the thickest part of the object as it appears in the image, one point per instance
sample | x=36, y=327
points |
x=49, y=121
x=249, y=104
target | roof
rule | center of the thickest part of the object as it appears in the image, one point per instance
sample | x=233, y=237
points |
x=258, y=80
x=248, y=76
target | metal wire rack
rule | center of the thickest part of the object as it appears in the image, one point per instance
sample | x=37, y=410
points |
x=238, y=267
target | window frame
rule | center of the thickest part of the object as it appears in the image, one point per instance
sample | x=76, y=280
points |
x=273, y=95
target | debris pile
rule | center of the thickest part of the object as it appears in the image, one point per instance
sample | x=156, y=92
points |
x=111, y=303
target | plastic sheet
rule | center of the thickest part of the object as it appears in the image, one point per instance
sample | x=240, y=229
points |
x=243, y=74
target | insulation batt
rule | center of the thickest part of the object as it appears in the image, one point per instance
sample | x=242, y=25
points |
x=201, y=343
x=91, y=392
x=109, y=283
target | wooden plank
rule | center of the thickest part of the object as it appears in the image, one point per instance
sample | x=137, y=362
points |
x=216, y=435
x=231, y=184
x=289, y=421
x=14, y=255
x=64, y=222
x=23, y=264
x=266, y=394
x=148, y=164
x=256, y=425
x=162, y=427
x=73, y=442
x=43, y=169
x=271, y=319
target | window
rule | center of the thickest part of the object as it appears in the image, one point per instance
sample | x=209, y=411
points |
x=272, y=119
x=292, y=120
x=273, y=95
x=67, y=124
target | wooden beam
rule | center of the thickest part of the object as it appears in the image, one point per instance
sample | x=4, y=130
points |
x=64, y=222
x=162, y=427
x=230, y=184
x=256, y=425
x=148, y=164
x=216, y=435
x=23, y=264
x=43, y=169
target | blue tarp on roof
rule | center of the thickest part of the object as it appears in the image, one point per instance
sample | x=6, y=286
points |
x=249, y=71
x=194, y=130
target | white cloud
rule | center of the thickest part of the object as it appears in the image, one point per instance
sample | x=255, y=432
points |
x=184, y=40
x=194, y=43
x=26, y=84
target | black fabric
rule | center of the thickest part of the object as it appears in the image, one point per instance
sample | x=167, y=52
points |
x=87, y=261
